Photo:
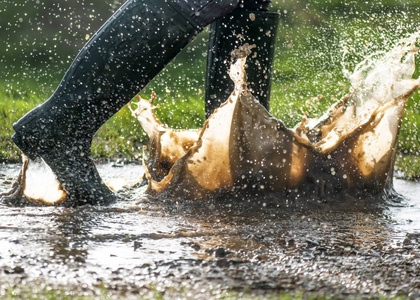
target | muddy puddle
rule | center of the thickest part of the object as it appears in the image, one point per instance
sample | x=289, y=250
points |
x=252, y=247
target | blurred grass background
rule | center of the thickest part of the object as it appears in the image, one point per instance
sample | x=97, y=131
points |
x=40, y=38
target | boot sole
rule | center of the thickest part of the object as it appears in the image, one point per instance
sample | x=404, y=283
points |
x=31, y=151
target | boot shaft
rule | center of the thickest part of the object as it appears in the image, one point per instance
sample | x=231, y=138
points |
x=128, y=51
x=242, y=26
x=123, y=56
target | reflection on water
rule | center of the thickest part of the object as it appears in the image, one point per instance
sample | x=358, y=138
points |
x=407, y=217
x=214, y=245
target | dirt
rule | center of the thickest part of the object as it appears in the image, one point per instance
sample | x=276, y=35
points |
x=253, y=247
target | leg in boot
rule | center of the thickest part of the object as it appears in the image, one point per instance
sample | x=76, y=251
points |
x=130, y=49
x=251, y=24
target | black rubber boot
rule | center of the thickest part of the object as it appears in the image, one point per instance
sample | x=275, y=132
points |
x=226, y=34
x=131, y=48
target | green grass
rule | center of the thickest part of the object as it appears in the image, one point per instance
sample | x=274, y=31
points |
x=409, y=165
x=308, y=77
x=50, y=293
x=45, y=294
x=13, y=105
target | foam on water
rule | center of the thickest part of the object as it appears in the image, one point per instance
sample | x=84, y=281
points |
x=384, y=76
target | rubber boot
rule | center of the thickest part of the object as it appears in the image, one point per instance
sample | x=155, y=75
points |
x=226, y=34
x=131, y=48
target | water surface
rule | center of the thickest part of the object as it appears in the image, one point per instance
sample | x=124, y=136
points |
x=204, y=249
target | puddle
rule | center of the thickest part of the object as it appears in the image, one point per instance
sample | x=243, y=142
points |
x=407, y=216
x=203, y=249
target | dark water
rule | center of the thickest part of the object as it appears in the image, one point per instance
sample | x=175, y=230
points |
x=202, y=250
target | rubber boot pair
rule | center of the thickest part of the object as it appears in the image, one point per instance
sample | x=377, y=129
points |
x=131, y=48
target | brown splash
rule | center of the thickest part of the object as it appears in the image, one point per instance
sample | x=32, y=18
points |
x=167, y=145
x=35, y=185
x=241, y=146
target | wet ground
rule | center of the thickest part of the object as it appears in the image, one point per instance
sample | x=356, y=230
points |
x=211, y=249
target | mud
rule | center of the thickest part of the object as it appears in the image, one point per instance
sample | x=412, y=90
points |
x=143, y=247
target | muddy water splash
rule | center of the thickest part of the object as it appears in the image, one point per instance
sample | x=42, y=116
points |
x=167, y=145
x=243, y=149
x=35, y=184
x=350, y=149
